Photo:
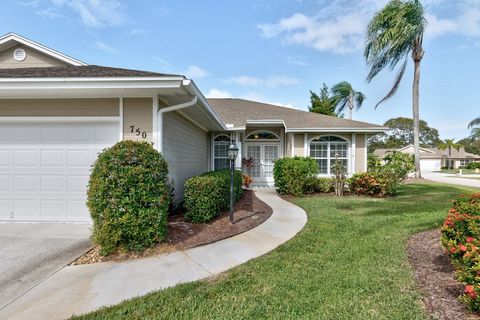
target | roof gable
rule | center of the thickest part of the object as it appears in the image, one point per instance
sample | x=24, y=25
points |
x=11, y=40
x=240, y=113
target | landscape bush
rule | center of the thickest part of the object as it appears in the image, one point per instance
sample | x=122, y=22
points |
x=128, y=197
x=473, y=165
x=461, y=239
x=207, y=195
x=319, y=184
x=294, y=175
x=381, y=182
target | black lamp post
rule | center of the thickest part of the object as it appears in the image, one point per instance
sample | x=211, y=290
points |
x=232, y=153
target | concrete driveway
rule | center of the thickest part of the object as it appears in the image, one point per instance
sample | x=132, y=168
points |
x=452, y=179
x=31, y=252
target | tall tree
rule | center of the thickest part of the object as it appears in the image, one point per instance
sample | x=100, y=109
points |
x=471, y=145
x=474, y=123
x=400, y=134
x=346, y=97
x=394, y=33
x=322, y=103
x=449, y=144
x=474, y=126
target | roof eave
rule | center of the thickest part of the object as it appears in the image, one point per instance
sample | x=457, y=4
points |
x=339, y=129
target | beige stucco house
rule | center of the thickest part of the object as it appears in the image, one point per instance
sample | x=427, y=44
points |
x=57, y=113
x=434, y=159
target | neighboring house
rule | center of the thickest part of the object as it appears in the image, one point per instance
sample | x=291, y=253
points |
x=433, y=159
x=57, y=113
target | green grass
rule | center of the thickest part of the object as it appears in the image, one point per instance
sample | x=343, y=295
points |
x=349, y=262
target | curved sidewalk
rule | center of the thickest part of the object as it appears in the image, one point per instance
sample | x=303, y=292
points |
x=84, y=288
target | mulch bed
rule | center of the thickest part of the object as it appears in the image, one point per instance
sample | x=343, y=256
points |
x=435, y=277
x=249, y=213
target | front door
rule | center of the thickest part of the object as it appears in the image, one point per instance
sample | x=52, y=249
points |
x=264, y=156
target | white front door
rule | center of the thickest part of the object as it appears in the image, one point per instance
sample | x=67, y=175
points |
x=264, y=156
x=45, y=167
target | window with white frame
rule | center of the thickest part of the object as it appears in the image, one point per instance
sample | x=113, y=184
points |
x=325, y=149
x=220, y=155
x=465, y=162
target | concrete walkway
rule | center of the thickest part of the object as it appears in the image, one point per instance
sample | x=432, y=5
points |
x=451, y=179
x=80, y=289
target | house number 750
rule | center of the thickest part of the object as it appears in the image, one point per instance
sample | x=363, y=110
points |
x=138, y=132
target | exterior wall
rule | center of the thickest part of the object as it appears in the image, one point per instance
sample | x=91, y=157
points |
x=138, y=119
x=59, y=107
x=33, y=59
x=298, y=144
x=360, y=147
x=185, y=147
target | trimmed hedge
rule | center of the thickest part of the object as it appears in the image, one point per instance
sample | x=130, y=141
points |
x=207, y=195
x=128, y=197
x=473, y=165
x=319, y=184
x=381, y=183
x=294, y=175
x=461, y=239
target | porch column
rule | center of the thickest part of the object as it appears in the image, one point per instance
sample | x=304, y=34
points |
x=238, y=161
x=305, y=144
x=353, y=153
x=155, y=134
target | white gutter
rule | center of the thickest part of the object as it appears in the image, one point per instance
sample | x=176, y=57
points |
x=169, y=109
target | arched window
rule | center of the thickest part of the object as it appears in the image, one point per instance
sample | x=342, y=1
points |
x=220, y=147
x=262, y=135
x=324, y=150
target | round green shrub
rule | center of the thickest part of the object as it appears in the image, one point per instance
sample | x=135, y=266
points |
x=294, y=175
x=128, y=197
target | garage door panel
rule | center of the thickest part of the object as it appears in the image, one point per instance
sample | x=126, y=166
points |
x=80, y=158
x=5, y=157
x=51, y=183
x=80, y=134
x=25, y=182
x=51, y=158
x=44, y=178
x=25, y=158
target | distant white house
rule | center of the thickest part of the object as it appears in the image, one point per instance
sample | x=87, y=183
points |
x=433, y=159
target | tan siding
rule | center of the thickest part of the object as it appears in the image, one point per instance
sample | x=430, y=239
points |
x=185, y=147
x=360, y=160
x=137, y=112
x=298, y=145
x=59, y=107
x=34, y=59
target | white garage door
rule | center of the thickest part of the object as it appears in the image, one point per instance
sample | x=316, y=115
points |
x=430, y=165
x=44, y=168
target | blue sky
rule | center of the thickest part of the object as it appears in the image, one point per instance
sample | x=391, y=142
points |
x=273, y=51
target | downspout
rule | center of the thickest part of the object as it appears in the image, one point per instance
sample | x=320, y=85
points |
x=168, y=109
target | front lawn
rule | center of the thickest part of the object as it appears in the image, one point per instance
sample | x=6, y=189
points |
x=455, y=171
x=349, y=262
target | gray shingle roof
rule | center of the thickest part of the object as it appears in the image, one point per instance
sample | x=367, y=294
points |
x=238, y=111
x=433, y=153
x=90, y=71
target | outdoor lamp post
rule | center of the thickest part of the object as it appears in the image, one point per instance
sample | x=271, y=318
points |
x=232, y=153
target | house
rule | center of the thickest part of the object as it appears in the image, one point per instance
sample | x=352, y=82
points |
x=57, y=113
x=433, y=159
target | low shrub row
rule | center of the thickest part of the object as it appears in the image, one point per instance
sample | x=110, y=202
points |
x=461, y=239
x=207, y=195
x=473, y=165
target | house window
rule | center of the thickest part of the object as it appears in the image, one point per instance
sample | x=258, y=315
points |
x=262, y=135
x=324, y=150
x=464, y=162
x=220, y=156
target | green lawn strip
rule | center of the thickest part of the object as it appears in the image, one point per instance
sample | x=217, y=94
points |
x=349, y=262
x=466, y=171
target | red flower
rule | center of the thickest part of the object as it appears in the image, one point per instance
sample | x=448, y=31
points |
x=470, y=239
x=463, y=248
x=453, y=250
x=470, y=291
x=452, y=210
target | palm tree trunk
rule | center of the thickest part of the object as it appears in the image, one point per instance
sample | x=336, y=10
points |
x=350, y=107
x=416, y=118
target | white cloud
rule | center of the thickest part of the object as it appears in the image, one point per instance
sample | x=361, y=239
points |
x=296, y=62
x=340, y=25
x=138, y=32
x=92, y=13
x=217, y=93
x=195, y=72
x=271, y=81
x=105, y=47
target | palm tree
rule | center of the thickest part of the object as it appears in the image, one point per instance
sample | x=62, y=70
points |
x=345, y=97
x=394, y=33
x=449, y=144
x=474, y=126
x=474, y=123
